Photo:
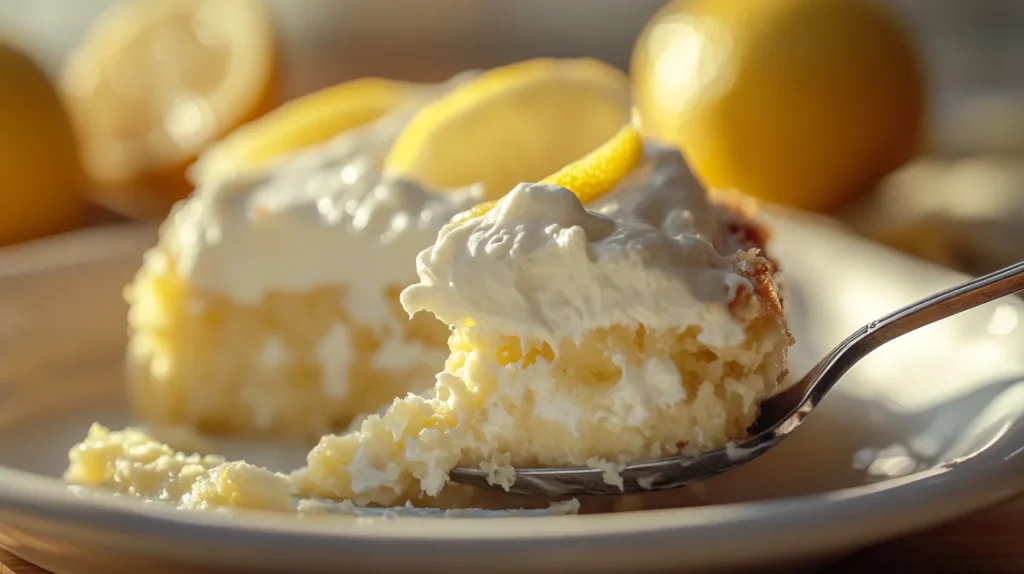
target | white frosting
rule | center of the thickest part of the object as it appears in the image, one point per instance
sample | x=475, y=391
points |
x=323, y=217
x=665, y=193
x=539, y=265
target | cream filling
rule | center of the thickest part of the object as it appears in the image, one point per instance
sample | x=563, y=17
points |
x=541, y=267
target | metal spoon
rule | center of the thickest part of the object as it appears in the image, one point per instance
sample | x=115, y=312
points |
x=780, y=414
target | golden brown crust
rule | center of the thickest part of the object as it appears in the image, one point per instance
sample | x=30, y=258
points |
x=743, y=212
x=752, y=234
x=743, y=222
x=763, y=300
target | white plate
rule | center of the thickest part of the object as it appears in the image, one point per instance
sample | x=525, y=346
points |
x=929, y=428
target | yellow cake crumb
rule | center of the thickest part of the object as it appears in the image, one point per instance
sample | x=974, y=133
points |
x=132, y=462
x=296, y=365
x=239, y=485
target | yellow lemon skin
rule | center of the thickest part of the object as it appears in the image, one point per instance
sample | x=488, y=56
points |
x=591, y=177
x=40, y=175
x=800, y=102
x=596, y=174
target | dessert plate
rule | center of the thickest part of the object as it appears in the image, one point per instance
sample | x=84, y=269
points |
x=924, y=430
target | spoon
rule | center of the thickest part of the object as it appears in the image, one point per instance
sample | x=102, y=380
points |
x=780, y=414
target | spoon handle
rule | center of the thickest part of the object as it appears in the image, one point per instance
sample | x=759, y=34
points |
x=969, y=295
x=806, y=393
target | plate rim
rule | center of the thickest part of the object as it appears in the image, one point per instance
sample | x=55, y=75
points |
x=988, y=480
x=984, y=477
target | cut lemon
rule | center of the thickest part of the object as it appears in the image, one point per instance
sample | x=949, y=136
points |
x=302, y=123
x=590, y=177
x=513, y=124
x=154, y=82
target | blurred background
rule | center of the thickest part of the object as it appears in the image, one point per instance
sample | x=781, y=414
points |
x=950, y=187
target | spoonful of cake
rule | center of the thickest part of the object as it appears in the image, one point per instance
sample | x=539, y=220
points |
x=779, y=415
x=630, y=343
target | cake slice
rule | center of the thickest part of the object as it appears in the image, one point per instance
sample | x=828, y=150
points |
x=577, y=340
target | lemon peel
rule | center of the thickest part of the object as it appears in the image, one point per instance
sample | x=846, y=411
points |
x=590, y=177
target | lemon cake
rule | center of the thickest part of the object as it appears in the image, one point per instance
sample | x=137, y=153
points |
x=644, y=323
x=271, y=303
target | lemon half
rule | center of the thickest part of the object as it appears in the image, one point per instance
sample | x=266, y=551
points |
x=154, y=82
x=302, y=123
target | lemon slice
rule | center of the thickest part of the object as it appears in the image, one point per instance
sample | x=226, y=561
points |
x=590, y=177
x=302, y=123
x=154, y=82
x=513, y=124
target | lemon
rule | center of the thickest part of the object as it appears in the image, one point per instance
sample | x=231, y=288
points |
x=801, y=102
x=592, y=176
x=154, y=82
x=40, y=176
x=513, y=124
x=302, y=123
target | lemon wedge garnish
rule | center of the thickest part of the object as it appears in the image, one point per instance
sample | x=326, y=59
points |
x=301, y=123
x=154, y=82
x=513, y=124
x=590, y=177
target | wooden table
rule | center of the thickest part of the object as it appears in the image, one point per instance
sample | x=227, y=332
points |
x=990, y=542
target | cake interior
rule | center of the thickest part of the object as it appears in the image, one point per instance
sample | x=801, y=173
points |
x=294, y=365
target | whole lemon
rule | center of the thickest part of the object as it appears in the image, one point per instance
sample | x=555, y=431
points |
x=800, y=102
x=40, y=175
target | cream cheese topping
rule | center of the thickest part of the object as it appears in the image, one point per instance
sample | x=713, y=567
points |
x=665, y=193
x=541, y=266
x=325, y=216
